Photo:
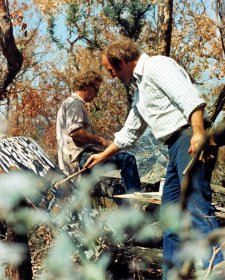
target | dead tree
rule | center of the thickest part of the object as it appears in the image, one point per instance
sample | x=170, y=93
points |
x=165, y=19
x=10, y=63
x=221, y=12
x=10, y=57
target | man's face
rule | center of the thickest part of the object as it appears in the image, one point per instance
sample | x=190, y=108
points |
x=92, y=91
x=124, y=74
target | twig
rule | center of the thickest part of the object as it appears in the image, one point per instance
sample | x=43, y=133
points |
x=31, y=203
x=39, y=251
x=58, y=184
x=215, y=252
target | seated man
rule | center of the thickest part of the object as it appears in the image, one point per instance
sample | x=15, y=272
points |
x=76, y=139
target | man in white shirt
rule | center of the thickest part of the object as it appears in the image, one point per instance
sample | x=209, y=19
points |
x=167, y=102
x=77, y=140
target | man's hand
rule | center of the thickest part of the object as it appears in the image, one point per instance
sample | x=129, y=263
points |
x=94, y=159
x=82, y=136
x=111, y=150
x=196, y=141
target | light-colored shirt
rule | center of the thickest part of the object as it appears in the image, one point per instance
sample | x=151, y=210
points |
x=72, y=114
x=164, y=100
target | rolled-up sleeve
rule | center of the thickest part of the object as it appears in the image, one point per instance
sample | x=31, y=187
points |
x=133, y=128
x=74, y=116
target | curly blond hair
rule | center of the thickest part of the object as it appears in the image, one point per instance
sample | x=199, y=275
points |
x=86, y=78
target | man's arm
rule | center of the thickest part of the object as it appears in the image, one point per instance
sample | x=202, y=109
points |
x=197, y=123
x=111, y=150
x=82, y=136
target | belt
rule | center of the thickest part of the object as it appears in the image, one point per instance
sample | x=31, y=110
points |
x=176, y=135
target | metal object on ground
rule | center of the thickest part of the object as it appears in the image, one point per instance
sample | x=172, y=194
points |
x=149, y=197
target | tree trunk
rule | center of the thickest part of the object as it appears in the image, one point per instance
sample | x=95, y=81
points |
x=24, y=270
x=10, y=57
x=221, y=8
x=165, y=18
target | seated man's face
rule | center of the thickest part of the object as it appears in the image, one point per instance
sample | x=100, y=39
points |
x=93, y=91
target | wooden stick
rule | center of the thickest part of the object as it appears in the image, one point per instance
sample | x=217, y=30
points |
x=56, y=185
x=199, y=152
x=218, y=130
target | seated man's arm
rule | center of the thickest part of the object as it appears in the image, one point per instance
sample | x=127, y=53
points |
x=128, y=135
x=82, y=136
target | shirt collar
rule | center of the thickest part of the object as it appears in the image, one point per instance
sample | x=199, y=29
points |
x=138, y=70
x=75, y=96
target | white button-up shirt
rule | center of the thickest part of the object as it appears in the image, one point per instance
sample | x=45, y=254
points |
x=164, y=100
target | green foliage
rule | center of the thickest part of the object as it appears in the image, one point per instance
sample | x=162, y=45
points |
x=10, y=253
x=73, y=15
x=83, y=246
x=130, y=16
x=51, y=30
x=22, y=189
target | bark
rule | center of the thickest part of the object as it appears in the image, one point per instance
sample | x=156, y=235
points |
x=165, y=19
x=221, y=8
x=10, y=57
x=24, y=270
x=217, y=106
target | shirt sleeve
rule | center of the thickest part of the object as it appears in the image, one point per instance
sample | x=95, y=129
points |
x=176, y=84
x=133, y=128
x=74, y=116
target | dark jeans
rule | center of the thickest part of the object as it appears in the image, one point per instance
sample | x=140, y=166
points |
x=199, y=201
x=125, y=162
